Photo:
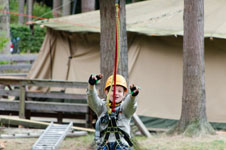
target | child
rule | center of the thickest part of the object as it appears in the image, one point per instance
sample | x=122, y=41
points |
x=113, y=129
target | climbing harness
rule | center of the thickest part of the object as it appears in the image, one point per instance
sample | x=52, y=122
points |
x=110, y=120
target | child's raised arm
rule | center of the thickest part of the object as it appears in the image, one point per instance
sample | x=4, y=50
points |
x=94, y=102
x=130, y=103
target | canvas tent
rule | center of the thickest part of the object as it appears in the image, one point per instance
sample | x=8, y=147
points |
x=155, y=29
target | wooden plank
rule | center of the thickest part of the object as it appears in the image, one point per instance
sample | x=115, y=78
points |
x=73, y=115
x=82, y=97
x=22, y=102
x=14, y=74
x=57, y=107
x=141, y=126
x=15, y=67
x=18, y=57
x=43, y=83
x=44, y=106
x=7, y=105
x=36, y=135
x=33, y=124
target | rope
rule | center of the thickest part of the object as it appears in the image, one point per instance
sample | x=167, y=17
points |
x=117, y=55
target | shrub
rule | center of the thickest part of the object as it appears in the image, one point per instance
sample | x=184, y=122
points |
x=26, y=41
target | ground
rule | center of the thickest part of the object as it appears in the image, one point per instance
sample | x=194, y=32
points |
x=156, y=142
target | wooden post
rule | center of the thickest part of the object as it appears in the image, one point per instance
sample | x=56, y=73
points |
x=60, y=117
x=22, y=102
x=141, y=126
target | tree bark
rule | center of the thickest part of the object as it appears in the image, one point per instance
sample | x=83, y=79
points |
x=21, y=11
x=30, y=9
x=66, y=7
x=5, y=25
x=193, y=121
x=57, y=8
x=88, y=5
x=107, y=43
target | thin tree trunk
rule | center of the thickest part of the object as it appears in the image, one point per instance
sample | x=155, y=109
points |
x=123, y=63
x=66, y=7
x=57, y=8
x=21, y=11
x=107, y=43
x=193, y=119
x=5, y=25
x=29, y=9
x=88, y=5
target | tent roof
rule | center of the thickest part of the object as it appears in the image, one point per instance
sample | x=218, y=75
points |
x=150, y=17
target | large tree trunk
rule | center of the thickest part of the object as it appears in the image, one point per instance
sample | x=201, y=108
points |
x=57, y=8
x=5, y=25
x=21, y=11
x=29, y=9
x=193, y=121
x=107, y=43
x=88, y=5
x=66, y=7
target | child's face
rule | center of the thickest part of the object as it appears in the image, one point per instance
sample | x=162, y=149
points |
x=119, y=94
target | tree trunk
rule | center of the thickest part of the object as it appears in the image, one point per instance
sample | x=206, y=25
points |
x=21, y=11
x=57, y=8
x=5, y=26
x=107, y=43
x=88, y=5
x=193, y=121
x=66, y=7
x=29, y=9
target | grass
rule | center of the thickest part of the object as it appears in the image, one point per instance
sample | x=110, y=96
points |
x=156, y=142
x=163, y=142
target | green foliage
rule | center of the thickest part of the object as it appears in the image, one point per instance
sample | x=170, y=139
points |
x=39, y=10
x=42, y=11
x=13, y=7
x=3, y=41
x=28, y=42
x=4, y=62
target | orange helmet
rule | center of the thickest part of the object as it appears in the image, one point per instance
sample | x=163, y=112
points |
x=120, y=80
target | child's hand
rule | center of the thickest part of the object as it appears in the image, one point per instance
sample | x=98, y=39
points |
x=134, y=90
x=94, y=79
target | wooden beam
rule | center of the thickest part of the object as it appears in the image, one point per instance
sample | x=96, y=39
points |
x=56, y=107
x=36, y=135
x=7, y=105
x=42, y=83
x=33, y=124
x=15, y=67
x=18, y=57
x=22, y=102
x=58, y=95
x=141, y=126
x=44, y=106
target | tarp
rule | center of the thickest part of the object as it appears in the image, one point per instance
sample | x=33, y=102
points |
x=155, y=62
x=150, y=17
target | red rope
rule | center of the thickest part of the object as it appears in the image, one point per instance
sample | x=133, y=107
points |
x=116, y=55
